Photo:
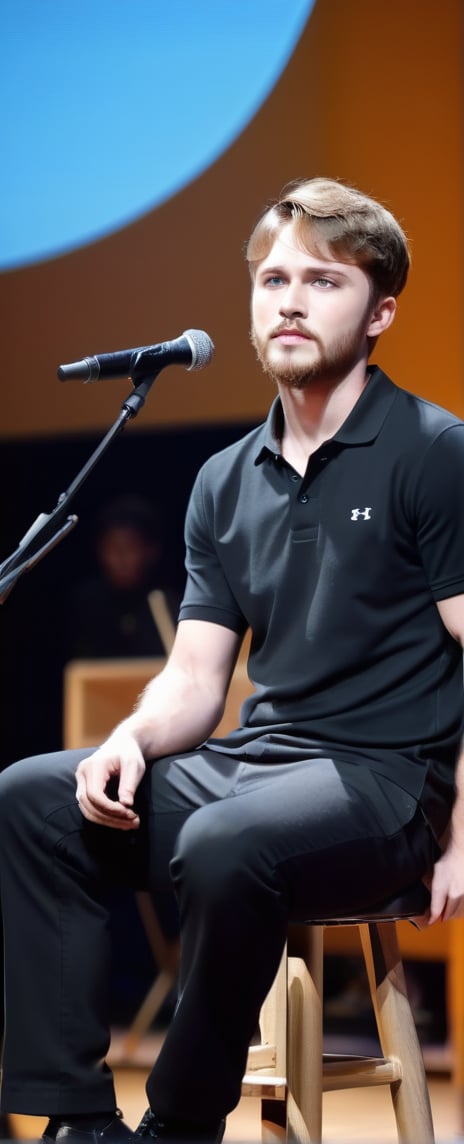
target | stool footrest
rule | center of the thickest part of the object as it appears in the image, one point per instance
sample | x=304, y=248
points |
x=358, y=1072
x=265, y=1087
x=292, y=1085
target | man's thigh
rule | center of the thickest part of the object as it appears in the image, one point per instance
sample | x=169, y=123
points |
x=333, y=835
x=174, y=789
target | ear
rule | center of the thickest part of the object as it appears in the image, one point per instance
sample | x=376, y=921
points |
x=382, y=317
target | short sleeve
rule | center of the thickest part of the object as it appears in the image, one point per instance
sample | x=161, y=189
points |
x=439, y=499
x=208, y=595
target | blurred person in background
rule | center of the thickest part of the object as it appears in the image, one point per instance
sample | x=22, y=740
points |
x=118, y=612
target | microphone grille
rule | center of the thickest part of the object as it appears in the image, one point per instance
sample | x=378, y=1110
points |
x=202, y=348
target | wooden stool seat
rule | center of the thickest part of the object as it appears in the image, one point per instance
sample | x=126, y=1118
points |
x=288, y=1069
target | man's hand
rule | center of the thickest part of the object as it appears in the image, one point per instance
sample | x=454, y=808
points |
x=119, y=759
x=448, y=886
x=178, y=709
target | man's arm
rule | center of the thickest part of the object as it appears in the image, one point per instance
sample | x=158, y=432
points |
x=179, y=708
x=448, y=878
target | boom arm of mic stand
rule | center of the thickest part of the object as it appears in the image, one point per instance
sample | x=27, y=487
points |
x=49, y=528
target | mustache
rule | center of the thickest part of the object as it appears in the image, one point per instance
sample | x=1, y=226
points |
x=295, y=324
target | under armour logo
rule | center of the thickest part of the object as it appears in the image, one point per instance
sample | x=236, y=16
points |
x=364, y=512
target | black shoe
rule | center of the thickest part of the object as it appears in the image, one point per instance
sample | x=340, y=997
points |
x=183, y=1131
x=116, y=1130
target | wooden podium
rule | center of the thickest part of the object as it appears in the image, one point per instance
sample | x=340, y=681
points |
x=98, y=693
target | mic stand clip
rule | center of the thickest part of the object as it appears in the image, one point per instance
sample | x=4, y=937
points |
x=49, y=528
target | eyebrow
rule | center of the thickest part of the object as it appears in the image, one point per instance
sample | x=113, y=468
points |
x=322, y=270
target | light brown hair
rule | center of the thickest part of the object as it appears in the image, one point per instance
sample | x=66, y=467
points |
x=339, y=221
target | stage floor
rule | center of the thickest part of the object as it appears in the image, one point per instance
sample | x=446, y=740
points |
x=350, y=1117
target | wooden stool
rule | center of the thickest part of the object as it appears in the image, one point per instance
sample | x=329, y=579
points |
x=288, y=1070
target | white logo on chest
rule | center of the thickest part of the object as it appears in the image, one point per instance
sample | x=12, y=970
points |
x=364, y=513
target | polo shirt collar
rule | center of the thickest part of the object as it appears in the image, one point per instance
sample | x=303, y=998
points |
x=361, y=426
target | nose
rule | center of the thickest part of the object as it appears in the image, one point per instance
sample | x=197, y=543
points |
x=293, y=301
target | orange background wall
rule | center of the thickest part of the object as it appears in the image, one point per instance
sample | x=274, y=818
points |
x=372, y=95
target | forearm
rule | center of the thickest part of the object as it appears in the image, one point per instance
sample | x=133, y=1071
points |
x=176, y=712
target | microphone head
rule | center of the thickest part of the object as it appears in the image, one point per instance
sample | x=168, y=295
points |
x=201, y=346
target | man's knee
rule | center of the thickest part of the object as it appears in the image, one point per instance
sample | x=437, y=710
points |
x=216, y=861
x=31, y=787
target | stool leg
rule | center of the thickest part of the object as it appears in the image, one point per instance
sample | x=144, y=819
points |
x=396, y=1027
x=273, y=1028
x=304, y=1047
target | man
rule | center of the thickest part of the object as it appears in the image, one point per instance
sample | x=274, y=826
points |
x=335, y=532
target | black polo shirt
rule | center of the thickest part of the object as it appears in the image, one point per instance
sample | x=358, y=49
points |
x=337, y=574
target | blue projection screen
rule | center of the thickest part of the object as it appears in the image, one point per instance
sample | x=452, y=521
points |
x=112, y=106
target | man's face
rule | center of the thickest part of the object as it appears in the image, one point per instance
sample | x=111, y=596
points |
x=311, y=316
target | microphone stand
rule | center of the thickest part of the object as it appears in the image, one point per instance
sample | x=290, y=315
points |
x=49, y=528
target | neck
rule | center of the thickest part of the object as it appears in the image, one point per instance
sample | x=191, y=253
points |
x=314, y=414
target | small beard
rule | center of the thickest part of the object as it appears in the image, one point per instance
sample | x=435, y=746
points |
x=328, y=366
x=291, y=377
x=289, y=374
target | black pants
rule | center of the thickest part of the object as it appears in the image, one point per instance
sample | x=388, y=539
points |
x=248, y=848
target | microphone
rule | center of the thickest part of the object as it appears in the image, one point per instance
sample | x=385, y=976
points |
x=193, y=349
